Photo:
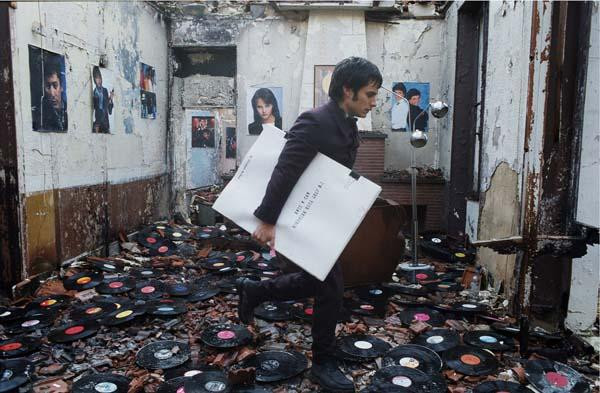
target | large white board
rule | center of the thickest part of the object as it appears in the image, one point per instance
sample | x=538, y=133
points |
x=319, y=217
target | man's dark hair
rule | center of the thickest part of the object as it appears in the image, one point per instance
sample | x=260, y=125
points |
x=51, y=69
x=399, y=86
x=412, y=92
x=355, y=73
x=96, y=72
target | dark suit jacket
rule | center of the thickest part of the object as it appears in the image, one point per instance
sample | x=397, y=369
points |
x=101, y=114
x=325, y=129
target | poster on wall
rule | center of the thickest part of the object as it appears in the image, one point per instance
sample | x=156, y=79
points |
x=323, y=75
x=147, y=91
x=103, y=95
x=264, y=107
x=413, y=108
x=48, y=87
x=203, y=131
x=231, y=143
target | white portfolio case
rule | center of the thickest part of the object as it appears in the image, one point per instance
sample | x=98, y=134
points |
x=319, y=217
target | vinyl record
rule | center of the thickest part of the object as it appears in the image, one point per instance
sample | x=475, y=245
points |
x=10, y=314
x=398, y=379
x=116, y=286
x=125, y=314
x=366, y=308
x=18, y=346
x=218, y=264
x=207, y=382
x=118, y=301
x=470, y=360
x=94, y=310
x=251, y=389
x=274, y=366
x=179, y=289
x=243, y=257
x=201, y=294
x=165, y=307
x=102, y=383
x=149, y=239
x=467, y=307
x=445, y=286
x=262, y=265
x=273, y=311
x=165, y=248
x=372, y=293
x=421, y=314
x=420, y=276
x=26, y=325
x=187, y=369
x=73, y=331
x=228, y=285
x=52, y=302
x=208, y=233
x=553, y=377
x=268, y=273
x=226, y=336
x=14, y=373
x=506, y=329
x=363, y=346
x=109, y=267
x=82, y=281
x=501, y=387
x=174, y=385
x=177, y=234
x=411, y=289
x=303, y=311
x=162, y=355
x=488, y=339
x=414, y=356
x=148, y=290
x=438, y=340
x=146, y=273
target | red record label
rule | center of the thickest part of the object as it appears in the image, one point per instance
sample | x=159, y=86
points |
x=226, y=335
x=147, y=289
x=470, y=360
x=48, y=303
x=557, y=379
x=74, y=330
x=367, y=307
x=163, y=249
x=240, y=258
x=10, y=346
x=422, y=317
x=421, y=276
x=150, y=240
x=309, y=311
x=115, y=284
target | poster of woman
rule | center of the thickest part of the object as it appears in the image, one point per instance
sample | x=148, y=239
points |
x=264, y=107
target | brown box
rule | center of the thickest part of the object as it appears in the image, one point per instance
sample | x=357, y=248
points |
x=375, y=250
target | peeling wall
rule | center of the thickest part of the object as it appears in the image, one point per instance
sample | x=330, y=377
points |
x=127, y=34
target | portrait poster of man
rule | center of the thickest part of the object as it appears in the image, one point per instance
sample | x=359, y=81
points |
x=103, y=100
x=203, y=131
x=265, y=106
x=414, y=108
x=48, y=86
x=322, y=80
x=231, y=143
x=147, y=91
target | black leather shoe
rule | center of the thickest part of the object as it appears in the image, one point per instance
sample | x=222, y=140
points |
x=329, y=376
x=247, y=302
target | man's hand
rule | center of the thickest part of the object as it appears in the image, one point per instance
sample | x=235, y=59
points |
x=265, y=234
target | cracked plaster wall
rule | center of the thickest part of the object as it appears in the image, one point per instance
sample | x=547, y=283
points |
x=128, y=33
x=410, y=51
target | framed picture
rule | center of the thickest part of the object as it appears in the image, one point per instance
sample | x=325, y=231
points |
x=264, y=107
x=410, y=113
x=48, y=87
x=147, y=91
x=203, y=131
x=323, y=75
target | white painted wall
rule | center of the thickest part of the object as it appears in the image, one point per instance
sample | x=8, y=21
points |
x=411, y=51
x=583, y=299
x=128, y=33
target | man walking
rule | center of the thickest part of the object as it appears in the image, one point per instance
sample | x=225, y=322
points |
x=330, y=129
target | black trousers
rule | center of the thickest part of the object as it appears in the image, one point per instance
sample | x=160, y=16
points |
x=328, y=296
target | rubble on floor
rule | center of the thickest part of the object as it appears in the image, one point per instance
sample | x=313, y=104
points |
x=161, y=317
